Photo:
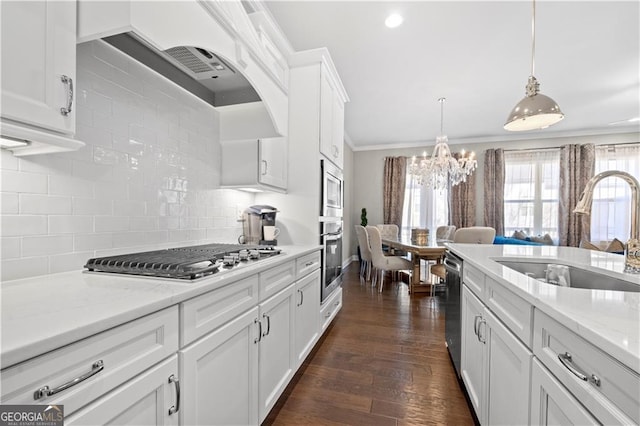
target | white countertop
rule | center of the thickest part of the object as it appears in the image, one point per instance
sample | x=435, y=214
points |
x=43, y=313
x=608, y=319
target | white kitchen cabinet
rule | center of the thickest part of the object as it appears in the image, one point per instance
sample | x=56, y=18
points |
x=552, y=404
x=307, y=320
x=330, y=308
x=152, y=398
x=220, y=375
x=276, y=348
x=39, y=74
x=255, y=164
x=331, y=119
x=495, y=366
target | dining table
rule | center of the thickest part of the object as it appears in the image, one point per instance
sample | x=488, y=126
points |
x=432, y=251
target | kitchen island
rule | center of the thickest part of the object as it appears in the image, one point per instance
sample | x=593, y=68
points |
x=529, y=347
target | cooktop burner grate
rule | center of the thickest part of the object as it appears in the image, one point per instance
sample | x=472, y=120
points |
x=181, y=262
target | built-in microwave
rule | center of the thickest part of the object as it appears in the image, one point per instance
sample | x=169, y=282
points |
x=331, y=204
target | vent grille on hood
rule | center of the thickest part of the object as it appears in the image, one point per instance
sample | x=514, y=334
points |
x=200, y=63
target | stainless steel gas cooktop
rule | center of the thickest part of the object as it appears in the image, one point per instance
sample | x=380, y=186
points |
x=186, y=263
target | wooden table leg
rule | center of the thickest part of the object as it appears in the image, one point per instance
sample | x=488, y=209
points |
x=415, y=274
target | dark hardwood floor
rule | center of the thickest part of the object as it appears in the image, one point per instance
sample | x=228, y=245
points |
x=382, y=362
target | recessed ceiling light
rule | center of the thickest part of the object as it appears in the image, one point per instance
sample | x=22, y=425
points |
x=393, y=20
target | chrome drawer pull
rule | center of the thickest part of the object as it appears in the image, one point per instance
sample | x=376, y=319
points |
x=176, y=382
x=475, y=325
x=257, y=339
x=567, y=361
x=268, y=325
x=68, y=81
x=45, y=391
x=309, y=264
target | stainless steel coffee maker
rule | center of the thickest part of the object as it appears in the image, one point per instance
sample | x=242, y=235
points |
x=259, y=225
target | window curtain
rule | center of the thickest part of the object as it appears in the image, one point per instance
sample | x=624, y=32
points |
x=462, y=210
x=611, y=209
x=395, y=171
x=494, y=189
x=577, y=164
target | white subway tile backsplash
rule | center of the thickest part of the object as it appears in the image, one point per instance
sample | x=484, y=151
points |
x=68, y=185
x=24, y=267
x=70, y=224
x=45, y=245
x=9, y=203
x=20, y=225
x=82, y=242
x=15, y=181
x=10, y=247
x=44, y=204
x=147, y=179
x=111, y=223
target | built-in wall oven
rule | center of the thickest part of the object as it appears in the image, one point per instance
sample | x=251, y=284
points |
x=331, y=240
x=331, y=204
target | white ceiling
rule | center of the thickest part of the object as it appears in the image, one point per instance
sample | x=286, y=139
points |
x=477, y=55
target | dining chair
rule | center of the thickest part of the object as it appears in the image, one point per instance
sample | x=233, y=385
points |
x=389, y=231
x=382, y=263
x=472, y=234
x=365, y=252
x=445, y=232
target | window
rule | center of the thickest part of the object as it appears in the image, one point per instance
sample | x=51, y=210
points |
x=531, y=190
x=611, y=209
x=423, y=207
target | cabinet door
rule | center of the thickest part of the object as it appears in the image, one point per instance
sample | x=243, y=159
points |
x=326, y=113
x=39, y=62
x=220, y=375
x=273, y=162
x=508, y=374
x=473, y=350
x=276, y=353
x=337, y=141
x=307, y=323
x=552, y=404
x=144, y=400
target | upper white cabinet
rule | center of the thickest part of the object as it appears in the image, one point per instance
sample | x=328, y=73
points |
x=255, y=164
x=39, y=74
x=316, y=87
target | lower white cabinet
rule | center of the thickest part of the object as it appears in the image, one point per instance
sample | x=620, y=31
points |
x=552, y=404
x=152, y=398
x=496, y=366
x=307, y=328
x=276, y=348
x=220, y=375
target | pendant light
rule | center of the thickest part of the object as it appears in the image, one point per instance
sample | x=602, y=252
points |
x=535, y=111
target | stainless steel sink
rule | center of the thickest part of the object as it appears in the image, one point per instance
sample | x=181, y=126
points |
x=580, y=278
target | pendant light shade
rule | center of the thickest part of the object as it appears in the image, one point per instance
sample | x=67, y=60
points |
x=535, y=110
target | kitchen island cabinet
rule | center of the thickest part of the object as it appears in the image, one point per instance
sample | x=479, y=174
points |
x=516, y=330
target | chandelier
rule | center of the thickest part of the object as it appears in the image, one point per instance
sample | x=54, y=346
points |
x=442, y=170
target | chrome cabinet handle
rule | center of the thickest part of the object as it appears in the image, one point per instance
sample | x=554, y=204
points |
x=264, y=168
x=67, y=81
x=567, y=360
x=175, y=408
x=481, y=337
x=266, y=333
x=45, y=391
x=309, y=263
x=257, y=339
x=301, y=298
x=475, y=324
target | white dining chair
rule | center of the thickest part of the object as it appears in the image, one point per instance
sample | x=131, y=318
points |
x=382, y=263
x=365, y=252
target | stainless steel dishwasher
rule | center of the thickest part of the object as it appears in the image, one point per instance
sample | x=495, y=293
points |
x=453, y=326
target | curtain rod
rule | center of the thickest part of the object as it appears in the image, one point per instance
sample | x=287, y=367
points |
x=558, y=147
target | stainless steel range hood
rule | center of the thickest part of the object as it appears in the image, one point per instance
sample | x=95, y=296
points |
x=197, y=70
x=193, y=44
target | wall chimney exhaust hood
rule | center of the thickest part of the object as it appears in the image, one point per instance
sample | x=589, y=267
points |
x=193, y=44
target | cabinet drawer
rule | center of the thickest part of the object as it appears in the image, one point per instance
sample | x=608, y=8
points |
x=125, y=351
x=615, y=399
x=330, y=308
x=307, y=264
x=275, y=279
x=515, y=312
x=473, y=278
x=209, y=311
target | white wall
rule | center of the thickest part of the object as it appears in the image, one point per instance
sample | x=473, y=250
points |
x=369, y=165
x=147, y=178
x=349, y=240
